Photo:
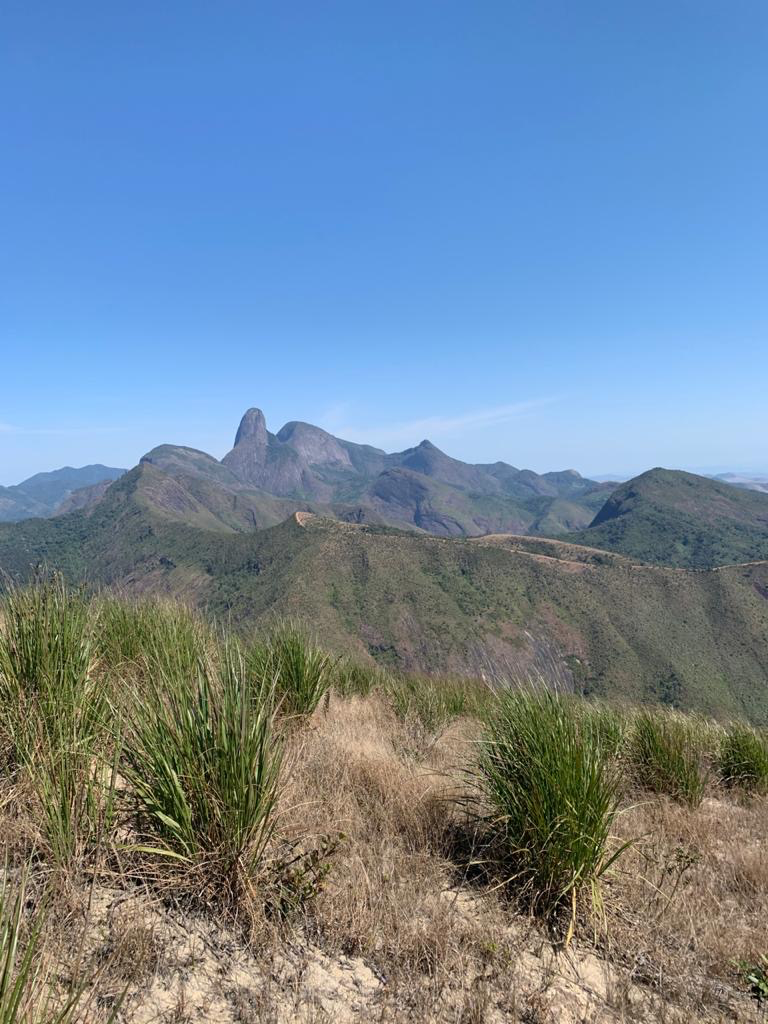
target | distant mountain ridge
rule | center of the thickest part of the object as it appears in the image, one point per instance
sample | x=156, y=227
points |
x=48, y=494
x=266, y=476
x=663, y=516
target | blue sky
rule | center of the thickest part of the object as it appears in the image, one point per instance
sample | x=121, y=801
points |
x=532, y=231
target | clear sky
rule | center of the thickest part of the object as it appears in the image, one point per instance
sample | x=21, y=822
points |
x=529, y=230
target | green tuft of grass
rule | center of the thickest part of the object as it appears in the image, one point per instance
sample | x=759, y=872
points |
x=353, y=679
x=433, y=703
x=436, y=702
x=553, y=793
x=298, y=669
x=606, y=725
x=666, y=752
x=742, y=759
x=141, y=636
x=53, y=710
x=203, y=760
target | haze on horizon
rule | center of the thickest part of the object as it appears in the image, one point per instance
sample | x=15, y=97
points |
x=534, y=233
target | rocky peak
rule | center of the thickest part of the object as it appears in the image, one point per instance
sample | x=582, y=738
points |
x=252, y=429
x=251, y=451
x=313, y=444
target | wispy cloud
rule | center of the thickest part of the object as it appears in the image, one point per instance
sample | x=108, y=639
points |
x=413, y=431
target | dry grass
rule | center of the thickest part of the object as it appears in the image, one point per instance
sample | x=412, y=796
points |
x=395, y=933
x=395, y=896
x=692, y=898
x=370, y=909
x=383, y=896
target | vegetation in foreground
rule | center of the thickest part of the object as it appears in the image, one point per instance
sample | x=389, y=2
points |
x=553, y=790
x=426, y=835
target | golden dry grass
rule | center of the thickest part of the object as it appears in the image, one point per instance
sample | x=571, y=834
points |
x=691, y=897
x=396, y=930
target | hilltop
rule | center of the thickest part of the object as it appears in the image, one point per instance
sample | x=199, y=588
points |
x=669, y=517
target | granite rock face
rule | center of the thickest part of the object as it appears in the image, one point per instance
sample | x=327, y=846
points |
x=421, y=487
x=252, y=430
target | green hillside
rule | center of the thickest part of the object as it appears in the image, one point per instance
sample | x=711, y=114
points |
x=673, y=518
x=692, y=639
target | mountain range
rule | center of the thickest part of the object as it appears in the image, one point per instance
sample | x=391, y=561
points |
x=409, y=600
x=417, y=560
x=664, y=516
x=267, y=476
x=50, y=494
x=303, y=468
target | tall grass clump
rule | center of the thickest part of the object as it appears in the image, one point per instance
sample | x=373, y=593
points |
x=742, y=759
x=667, y=756
x=297, y=668
x=142, y=635
x=351, y=678
x=53, y=711
x=433, y=703
x=204, y=763
x=607, y=725
x=429, y=705
x=553, y=793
